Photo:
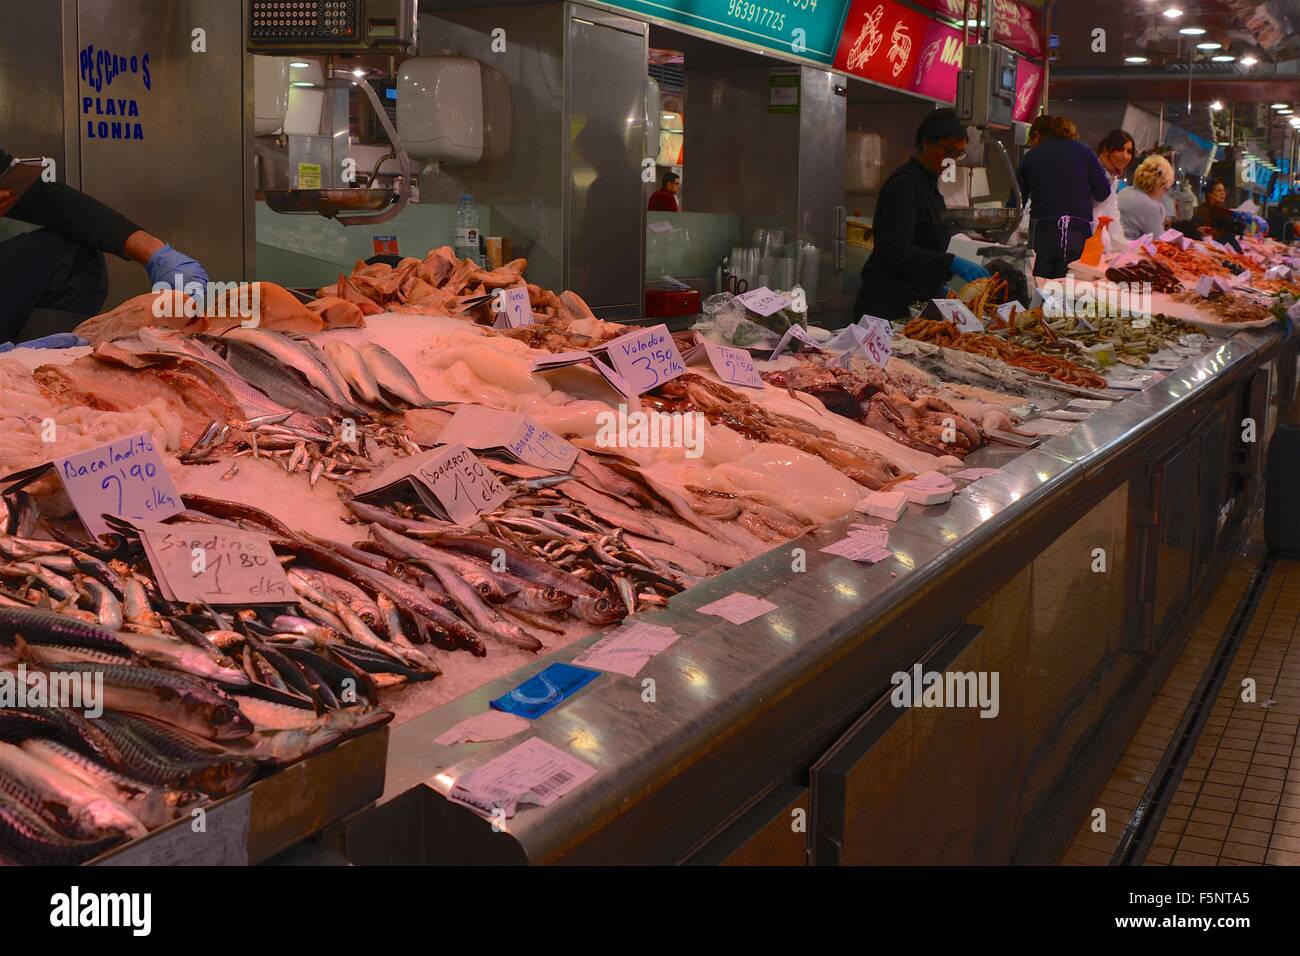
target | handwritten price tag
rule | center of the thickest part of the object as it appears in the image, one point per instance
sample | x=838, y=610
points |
x=482, y=428
x=126, y=478
x=203, y=562
x=801, y=334
x=646, y=358
x=450, y=480
x=734, y=366
x=514, y=311
x=955, y=312
x=764, y=301
x=876, y=344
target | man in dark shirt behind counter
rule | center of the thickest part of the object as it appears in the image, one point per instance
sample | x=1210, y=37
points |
x=910, y=261
x=1063, y=178
x=61, y=266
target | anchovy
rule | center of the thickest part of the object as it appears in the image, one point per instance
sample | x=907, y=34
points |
x=394, y=377
x=333, y=586
x=55, y=584
x=183, y=701
x=359, y=633
x=23, y=514
x=136, y=604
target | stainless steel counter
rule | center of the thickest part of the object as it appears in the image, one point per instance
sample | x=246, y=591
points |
x=739, y=711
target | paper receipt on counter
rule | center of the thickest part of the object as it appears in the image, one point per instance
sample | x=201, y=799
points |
x=533, y=772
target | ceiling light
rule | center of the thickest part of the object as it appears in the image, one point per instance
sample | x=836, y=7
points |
x=977, y=23
x=1209, y=46
x=1192, y=31
x=1223, y=58
x=1173, y=13
x=301, y=83
x=299, y=64
x=1248, y=61
x=1216, y=105
x=1135, y=59
x=1286, y=111
x=358, y=72
x=1279, y=106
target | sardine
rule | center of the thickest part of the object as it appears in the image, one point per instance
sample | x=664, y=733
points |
x=172, y=652
x=107, y=608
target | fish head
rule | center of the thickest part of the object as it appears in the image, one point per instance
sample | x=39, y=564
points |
x=225, y=719
x=222, y=776
x=600, y=610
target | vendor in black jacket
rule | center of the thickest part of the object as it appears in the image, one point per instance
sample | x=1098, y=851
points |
x=61, y=266
x=911, y=261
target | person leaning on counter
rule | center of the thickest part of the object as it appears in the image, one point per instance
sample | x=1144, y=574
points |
x=61, y=266
x=1213, y=218
x=910, y=261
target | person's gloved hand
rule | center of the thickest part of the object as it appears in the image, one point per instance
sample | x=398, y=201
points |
x=59, y=340
x=164, y=265
x=967, y=270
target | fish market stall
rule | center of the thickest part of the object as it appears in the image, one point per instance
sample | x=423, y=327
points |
x=349, y=525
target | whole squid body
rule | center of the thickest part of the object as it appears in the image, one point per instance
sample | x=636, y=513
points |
x=589, y=604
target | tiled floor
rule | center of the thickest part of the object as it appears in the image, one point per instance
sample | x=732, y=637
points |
x=1238, y=801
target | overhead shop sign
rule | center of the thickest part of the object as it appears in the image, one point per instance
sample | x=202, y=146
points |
x=1029, y=89
x=939, y=62
x=882, y=42
x=1016, y=24
x=805, y=28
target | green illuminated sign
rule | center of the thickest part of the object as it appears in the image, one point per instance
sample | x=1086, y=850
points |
x=806, y=28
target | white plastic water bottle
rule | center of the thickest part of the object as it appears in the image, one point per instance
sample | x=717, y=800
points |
x=466, y=241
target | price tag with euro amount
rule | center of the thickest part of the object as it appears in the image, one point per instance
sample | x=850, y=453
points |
x=194, y=563
x=876, y=340
x=460, y=483
x=646, y=358
x=957, y=313
x=126, y=478
x=734, y=366
x=513, y=308
x=764, y=301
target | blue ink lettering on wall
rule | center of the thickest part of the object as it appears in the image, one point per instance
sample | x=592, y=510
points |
x=111, y=117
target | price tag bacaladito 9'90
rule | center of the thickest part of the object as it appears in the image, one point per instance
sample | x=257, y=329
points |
x=646, y=358
x=126, y=478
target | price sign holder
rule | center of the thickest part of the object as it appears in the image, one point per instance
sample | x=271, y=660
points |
x=734, y=366
x=513, y=308
x=645, y=358
x=194, y=563
x=954, y=312
x=125, y=478
x=512, y=434
x=450, y=480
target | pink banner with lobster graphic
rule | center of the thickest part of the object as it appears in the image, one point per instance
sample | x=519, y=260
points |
x=882, y=42
x=1029, y=90
x=938, y=62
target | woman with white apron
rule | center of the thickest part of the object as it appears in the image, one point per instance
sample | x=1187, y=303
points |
x=1115, y=152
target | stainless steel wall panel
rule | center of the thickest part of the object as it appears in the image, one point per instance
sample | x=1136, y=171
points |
x=820, y=173
x=186, y=180
x=32, y=113
x=524, y=184
x=605, y=90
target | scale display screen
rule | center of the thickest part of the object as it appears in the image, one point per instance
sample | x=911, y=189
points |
x=315, y=20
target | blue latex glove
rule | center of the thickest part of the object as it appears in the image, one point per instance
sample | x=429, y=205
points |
x=59, y=340
x=967, y=270
x=164, y=265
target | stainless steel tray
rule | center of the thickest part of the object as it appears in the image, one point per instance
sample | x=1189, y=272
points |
x=328, y=202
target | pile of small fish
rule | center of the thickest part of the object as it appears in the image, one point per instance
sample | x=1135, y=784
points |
x=195, y=703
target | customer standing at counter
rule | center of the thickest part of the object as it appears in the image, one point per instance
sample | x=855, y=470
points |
x=61, y=266
x=1214, y=219
x=1114, y=152
x=1141, y=207
x=910, y=261
x=1063, y=179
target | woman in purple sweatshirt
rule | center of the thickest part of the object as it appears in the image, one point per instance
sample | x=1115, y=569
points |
x=1063, y=178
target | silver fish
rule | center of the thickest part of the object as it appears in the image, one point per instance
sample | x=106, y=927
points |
x=87, y=809
x=294, y=355
x=358, y=374
x=394, y=378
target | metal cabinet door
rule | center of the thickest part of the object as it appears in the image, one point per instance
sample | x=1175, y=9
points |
x=605, y=88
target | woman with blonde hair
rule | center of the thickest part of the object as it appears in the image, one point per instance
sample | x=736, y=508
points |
x=1141, y=209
